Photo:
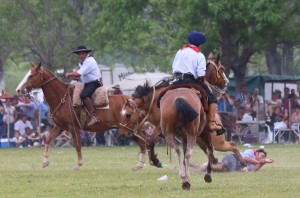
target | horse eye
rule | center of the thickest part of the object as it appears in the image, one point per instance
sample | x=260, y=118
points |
x=128, y=116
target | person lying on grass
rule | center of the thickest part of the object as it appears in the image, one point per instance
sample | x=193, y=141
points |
x=255, y=159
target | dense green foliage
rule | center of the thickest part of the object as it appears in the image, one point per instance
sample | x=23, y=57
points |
x=146, y=34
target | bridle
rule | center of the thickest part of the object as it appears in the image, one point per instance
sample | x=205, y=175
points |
x=218, y=75
x=131, y=103
x=29, y=82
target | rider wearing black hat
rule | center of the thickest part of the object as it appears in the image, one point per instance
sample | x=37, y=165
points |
x=89, y=73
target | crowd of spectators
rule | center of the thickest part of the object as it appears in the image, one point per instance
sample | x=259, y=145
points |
x=279, y=112
x=27, y=123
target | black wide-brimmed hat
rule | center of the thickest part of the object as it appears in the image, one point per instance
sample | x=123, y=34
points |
x=82, y=48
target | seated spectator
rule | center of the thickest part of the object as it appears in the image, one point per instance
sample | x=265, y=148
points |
x=276, y=122
x=32, y=139
x=63, y=139
x=273, y=103
x=255, y=159
x=20, y=125
x=18, y=139
x=248, y=104
x=296, y=118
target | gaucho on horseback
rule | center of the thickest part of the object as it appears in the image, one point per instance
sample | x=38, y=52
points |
x=189, y=66
x=90, y=75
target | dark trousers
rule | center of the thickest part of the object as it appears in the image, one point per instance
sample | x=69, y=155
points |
x=89, y=89
x=211, y=97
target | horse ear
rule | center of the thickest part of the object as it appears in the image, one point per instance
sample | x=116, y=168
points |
x=40, y=64
x=210, y=56
x=32, y=64
x=218, y=58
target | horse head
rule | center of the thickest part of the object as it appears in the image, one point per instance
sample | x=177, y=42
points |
x=215, y=75
x=132, y=114
x=34, y=80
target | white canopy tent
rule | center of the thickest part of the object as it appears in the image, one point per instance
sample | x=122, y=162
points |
x=129, y=84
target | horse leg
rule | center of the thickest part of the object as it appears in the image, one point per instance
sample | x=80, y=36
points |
x=152, y=156
x=53, y=134
x=211, y=158
x=76, y=140
x=203, y=147
x=174, y=146
x=142, y=146
x=220, y=144
x=188, y=148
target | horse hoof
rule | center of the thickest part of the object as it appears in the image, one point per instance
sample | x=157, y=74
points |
x=207, y=178
x=215, y=161
x=76, y=168
x=45, y=164
x=159, y=165
x=137, y=167
x=186, y=186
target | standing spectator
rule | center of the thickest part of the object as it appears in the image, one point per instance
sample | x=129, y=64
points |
x=43, y=108
x=286, y=94
x=117, y=90
x=9, y=116
x=28, y=107
x=21, y=124
x=225, y=103
x=258, y=104
x=1, y=119
x=294, y=104
x=241, y=96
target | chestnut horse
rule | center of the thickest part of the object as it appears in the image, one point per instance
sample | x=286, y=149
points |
x=145, y=98
x=67, y=117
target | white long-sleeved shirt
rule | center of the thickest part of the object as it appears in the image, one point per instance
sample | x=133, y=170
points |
x=188, y=60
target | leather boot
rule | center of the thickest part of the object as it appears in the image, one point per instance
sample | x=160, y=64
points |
x=91, y=110
x=212, y=125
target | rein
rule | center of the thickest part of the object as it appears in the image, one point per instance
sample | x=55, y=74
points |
x=136, y=109
x=214, y=87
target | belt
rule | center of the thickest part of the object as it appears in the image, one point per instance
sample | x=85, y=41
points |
x=99, y=80
x=182, y=76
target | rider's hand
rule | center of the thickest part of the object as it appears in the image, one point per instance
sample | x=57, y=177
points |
x=68, y=75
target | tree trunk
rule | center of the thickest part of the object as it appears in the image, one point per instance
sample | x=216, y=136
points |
x=273, y=60
x=2, y=84
x=287, y=55
x=231, y=58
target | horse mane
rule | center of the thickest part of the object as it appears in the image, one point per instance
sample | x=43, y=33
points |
x=143, y=90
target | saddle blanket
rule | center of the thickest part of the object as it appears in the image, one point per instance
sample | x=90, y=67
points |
x=99, y=98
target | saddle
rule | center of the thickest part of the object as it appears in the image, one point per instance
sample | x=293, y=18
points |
x=198, y=90
x=99, y=97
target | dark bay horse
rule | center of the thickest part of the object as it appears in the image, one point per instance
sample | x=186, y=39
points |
x=66, y=117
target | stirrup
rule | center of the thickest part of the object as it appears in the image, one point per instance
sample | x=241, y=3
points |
x=93, y=121
x=221, y=131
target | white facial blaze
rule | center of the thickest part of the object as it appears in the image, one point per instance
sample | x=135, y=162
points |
x=123, y=112
x=226, y=79
x=23, y=80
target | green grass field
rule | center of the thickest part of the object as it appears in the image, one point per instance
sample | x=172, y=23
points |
x=107, y=173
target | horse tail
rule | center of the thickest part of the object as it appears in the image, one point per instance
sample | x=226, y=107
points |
x=186, y=113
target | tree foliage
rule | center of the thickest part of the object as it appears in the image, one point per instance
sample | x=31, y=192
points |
x=147, y=33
